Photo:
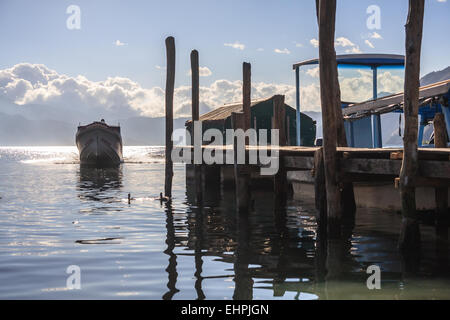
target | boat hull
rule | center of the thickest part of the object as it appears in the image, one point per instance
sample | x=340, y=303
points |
x=99, y=146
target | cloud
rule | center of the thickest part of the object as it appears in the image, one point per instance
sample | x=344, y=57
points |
x=160, y=68
x=282, y=51
x=441, y=0
x=375, y=35
x=342, y=42
x=203, y=72
x=369, y=43
x=260, y=49
x=298, y=44
x=118, y=43
x=235, y=45
x=346, y=43
x=118, y=97
x=313, y=72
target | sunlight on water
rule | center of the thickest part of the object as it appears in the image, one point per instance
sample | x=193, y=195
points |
x=54, y=214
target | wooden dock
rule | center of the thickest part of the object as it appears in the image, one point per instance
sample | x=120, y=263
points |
x=358, y=164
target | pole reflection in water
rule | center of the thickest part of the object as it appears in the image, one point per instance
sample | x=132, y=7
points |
x=198, y=253
x=243, y=280
x=170, y=241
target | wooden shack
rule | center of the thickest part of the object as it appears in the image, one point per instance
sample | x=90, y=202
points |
x=261, y=118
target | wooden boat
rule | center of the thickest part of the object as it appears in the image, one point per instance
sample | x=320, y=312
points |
x=99, y=144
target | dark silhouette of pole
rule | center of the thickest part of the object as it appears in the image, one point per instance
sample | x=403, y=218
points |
x=170, y=83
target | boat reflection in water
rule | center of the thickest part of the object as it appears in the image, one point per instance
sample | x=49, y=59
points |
x=100, y=184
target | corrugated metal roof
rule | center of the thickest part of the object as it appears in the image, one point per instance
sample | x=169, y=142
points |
x=224, y=112
x=395, y=101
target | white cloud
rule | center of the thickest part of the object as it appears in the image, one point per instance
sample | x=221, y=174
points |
x=313, y=72
x=314, y=43
x=235, y=45
x=298, y=44
x=282, y=51
x=160, y=68
x=343, y=42
x=375, y=35
x=369, y=43
x=118, y=97
x=118, y=43
x=203, y=72
x=260, y=49
x=442, y=0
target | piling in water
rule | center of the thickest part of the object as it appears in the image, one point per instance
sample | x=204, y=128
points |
x=170, y=83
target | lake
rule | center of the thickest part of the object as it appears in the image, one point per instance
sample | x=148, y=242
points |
x=54, y=214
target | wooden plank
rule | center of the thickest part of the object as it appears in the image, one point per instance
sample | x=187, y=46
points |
x=298, y=163
x=371, y=166
x=427, y=168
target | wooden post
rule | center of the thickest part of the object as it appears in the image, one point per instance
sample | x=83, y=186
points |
x=348, y=196
x=441, y=194
x=329, y=93
x=280, y=179
x=410, y=232
x=320, y=190
x=279, y=115
x=246, y=94
x=241, y=174
x=195, y=117
x=170, y=83
x=195, y=86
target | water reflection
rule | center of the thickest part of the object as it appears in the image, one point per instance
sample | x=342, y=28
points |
x=97, y=184
x=282, y=250
x=172, y=266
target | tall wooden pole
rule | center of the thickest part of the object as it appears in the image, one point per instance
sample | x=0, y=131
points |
x=329, y=93
x=246, y=94
x=195, y=117
x=441, y=194
x=195, y=85
x=348, y=196
x=410, y=233
x=170, y=83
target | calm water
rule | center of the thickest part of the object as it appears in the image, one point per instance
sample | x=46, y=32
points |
x=54, y=214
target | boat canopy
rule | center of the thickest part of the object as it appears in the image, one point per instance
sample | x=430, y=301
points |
x=370, y=60
x=374, y=61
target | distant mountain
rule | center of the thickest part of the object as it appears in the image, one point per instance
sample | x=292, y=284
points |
x=39, y=124
x=435, y=76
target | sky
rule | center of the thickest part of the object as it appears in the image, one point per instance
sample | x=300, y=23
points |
x=116, y=59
